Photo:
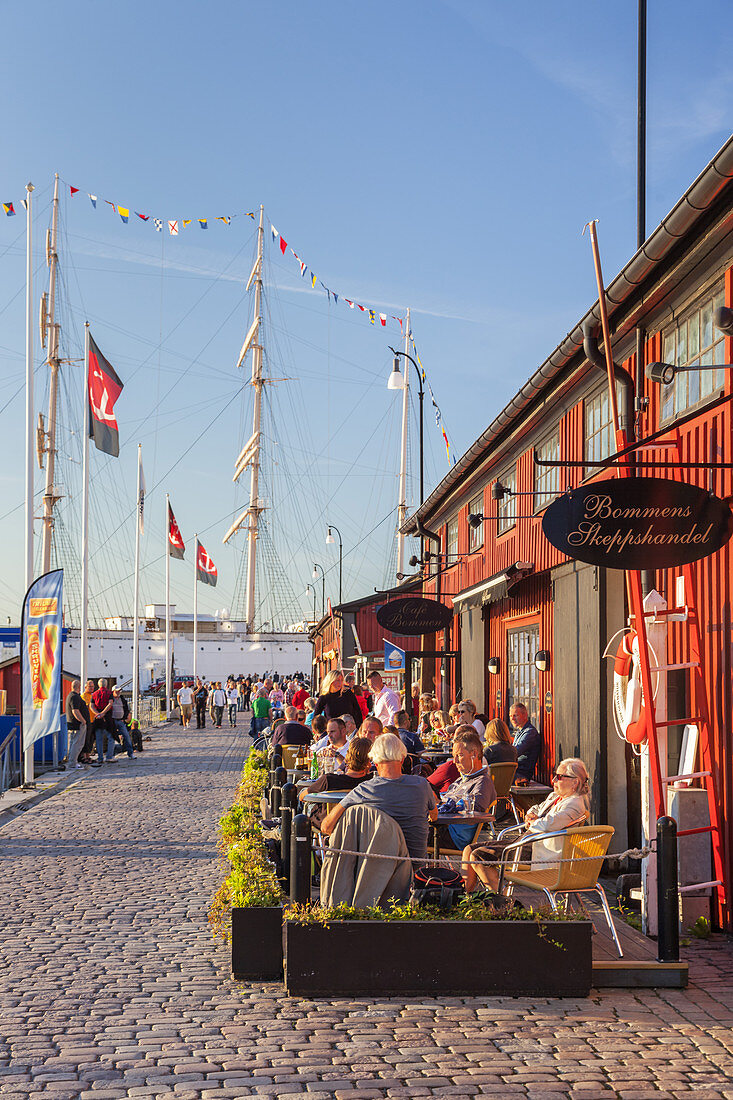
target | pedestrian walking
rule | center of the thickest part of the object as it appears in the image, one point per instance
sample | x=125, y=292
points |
x=218, y=700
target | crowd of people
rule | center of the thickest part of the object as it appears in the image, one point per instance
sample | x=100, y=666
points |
x=360, y=739
x=99, y=720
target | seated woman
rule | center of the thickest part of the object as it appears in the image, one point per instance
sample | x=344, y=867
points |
x=499, y=747
x=358, y=767
x=567, y=805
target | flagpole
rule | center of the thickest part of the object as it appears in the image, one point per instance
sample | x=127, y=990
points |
x=85, y=521
x=195, y=601
x=29, y=431
x=168, y=684
x=136, y=621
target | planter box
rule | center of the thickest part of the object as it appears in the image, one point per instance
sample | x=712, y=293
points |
x=441, y=958
x=257, y=943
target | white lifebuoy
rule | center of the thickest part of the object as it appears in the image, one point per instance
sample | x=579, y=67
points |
x=629, y=710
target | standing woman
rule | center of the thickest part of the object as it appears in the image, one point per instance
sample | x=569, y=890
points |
x=336, y=699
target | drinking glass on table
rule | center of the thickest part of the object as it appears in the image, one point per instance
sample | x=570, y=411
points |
x=470, y=803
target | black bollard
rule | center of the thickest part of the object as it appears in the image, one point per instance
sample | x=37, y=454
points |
x=668, y=903
x=289, y=796
x=300, y=860
x=279, y=779
x=286, y=823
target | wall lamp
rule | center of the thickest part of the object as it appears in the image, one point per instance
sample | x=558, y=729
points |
x=493, y=665
x=664, y=372
x=542, y=660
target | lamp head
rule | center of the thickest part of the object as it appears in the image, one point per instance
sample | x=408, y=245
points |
x=315, y=573
x=475, y=519
x=497, y=491
x=661, y=372
x=329, y=538
x=724, y=320
x=396, y=381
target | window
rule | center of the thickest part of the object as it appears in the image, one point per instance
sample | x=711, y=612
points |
x=693, y=341
x=507, y=508
x=476, y=534
x=452, y=542
x=522, y=682
x=547, y=478
x=599, y=436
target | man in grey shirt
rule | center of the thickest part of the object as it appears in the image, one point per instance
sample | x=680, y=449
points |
x=408, y=799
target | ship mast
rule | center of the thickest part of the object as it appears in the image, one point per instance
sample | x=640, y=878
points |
x=254, y=481
x=47, y=440
x=250, y=454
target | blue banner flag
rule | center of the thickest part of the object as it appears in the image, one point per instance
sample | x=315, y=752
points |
x=394, y=658
x=41, y=649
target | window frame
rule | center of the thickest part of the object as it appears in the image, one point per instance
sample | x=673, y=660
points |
x=589, y=468
x=476, y=534
x=712, y=297
x=451, y=528
x=543, y=498
x=506, y=509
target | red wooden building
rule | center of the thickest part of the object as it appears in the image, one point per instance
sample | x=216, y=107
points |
x=514, y=595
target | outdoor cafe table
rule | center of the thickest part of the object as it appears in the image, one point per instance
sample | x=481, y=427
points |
x=527, y=797
x=330, y=798
x=455, y=819
x=435, y=756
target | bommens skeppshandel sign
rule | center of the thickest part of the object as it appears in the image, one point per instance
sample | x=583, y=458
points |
x=638, y=523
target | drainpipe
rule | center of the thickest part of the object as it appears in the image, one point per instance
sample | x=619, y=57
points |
x=593, y=355
x=628, y=404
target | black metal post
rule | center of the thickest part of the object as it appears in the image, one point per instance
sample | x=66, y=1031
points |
x=286, y=825
x=289, y=795
x=300, y=860
x=668, y=915
x=280, y=779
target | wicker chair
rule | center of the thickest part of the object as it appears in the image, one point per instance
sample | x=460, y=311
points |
x=574, y=873
x=502, y=776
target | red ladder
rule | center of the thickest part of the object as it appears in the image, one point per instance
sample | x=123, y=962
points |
x=700, y=717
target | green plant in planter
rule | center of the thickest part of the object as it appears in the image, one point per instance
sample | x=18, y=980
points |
x=468, y=908
x=251, y=879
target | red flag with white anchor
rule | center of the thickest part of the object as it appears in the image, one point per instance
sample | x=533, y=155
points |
x=205, y=568
x=104, y=387
x=176, y=545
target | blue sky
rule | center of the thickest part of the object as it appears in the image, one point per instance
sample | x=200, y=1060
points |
x=441, y=155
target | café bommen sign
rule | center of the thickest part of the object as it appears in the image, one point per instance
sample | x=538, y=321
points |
x=638, y=523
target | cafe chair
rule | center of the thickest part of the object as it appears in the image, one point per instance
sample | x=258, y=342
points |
x=573, y=875
x=502, y=776
x=355, y=879
x=290, y=755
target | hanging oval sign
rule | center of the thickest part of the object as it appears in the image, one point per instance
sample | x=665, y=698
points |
x=414, y=615
x=638, y=523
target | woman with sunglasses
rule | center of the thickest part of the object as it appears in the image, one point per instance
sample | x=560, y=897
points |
x=567, y=805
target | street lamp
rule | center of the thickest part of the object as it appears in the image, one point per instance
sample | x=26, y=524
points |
x=312, y=589
x=397, y=382
x=329, y=541
x=316, y=567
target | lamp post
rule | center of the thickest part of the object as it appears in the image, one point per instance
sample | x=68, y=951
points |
x=312, y=589
x=316, y=567
x=397, y=382
x=329, y=541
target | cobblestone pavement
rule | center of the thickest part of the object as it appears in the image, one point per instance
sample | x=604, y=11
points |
x=111, y=984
